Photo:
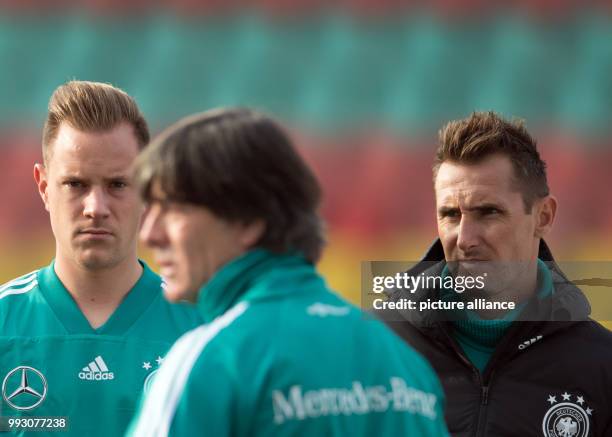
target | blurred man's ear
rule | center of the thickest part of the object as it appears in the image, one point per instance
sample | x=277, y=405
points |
x=545, y=210
x=252, y=232
x=40, y=177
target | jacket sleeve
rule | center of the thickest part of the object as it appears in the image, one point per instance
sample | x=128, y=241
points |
x=439, y=425
x=434, y=426
x=204, y=405
x=208, y=403
x=433, y=423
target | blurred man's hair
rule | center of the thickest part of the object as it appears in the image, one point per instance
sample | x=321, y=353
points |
x=242, y=166
x=483, y=134
x=91, y=107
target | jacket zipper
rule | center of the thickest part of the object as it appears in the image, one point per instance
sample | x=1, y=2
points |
x=484, y=389
x=485, y=395
x=482, y=410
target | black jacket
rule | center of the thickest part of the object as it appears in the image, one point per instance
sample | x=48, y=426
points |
x=550, y=378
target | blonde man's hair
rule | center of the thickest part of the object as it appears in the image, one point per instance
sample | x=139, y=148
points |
x=91, y=107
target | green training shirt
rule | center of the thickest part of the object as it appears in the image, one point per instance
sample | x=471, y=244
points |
x=53, y=364
x=281, y=355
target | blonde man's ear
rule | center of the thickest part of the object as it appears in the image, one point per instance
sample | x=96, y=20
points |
x=40, y=177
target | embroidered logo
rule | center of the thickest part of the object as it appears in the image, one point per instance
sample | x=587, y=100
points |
x=324, y=310
x=146, y=365
x=96, y=371
x=529, y=342
x=565, y=418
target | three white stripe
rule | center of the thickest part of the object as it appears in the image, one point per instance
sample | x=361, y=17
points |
x=160, y=405
x=97, y=365
x=29, y=279
x=101, y=364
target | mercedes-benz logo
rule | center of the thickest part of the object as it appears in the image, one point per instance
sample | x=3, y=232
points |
x=24, y=388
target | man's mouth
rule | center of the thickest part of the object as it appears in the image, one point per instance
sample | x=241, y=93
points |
x=95, y=233
x=166, y=268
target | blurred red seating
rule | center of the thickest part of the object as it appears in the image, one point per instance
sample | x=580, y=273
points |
x=362, y=8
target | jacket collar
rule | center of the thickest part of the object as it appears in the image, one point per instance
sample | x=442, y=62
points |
x=436, y=252
x=567, y=302
x=257, y=274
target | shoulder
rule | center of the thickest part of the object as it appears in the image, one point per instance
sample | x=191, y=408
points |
x=21, y=304
x=322, y=315
x=586, y=339
x=20, y=286
x=183, y=391
x=195, y=356
x=295, y=317
x=321, y=324
x=597, y=336
x=204, y=340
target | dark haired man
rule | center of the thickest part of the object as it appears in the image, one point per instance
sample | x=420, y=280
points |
x=543, y=368
x=233, y=222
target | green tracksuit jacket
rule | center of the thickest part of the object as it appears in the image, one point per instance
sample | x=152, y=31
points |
x=60, y=376
x=282, y=355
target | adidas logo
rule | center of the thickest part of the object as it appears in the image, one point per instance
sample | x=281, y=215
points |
x=97, y=370
x=528, y=343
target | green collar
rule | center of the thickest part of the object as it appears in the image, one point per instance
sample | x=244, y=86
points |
x=488, y=332
x=144, y=292
x=254, y=275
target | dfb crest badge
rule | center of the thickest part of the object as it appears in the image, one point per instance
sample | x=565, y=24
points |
x=567, y=418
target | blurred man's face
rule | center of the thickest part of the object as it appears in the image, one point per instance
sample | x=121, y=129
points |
x=190, y=243
x=481, y=217
x=87, y=188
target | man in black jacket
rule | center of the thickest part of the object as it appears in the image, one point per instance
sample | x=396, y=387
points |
x=543, y=368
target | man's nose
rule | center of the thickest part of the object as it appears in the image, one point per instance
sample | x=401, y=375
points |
x=468, y=235
x=96, y=203
x=151, y=231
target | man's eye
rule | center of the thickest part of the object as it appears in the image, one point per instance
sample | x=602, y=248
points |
x=450, y=214
x=118, y=184
x=490, y=211
x=74, y=184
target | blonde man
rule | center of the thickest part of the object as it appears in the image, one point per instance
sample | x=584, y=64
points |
x=82, y=337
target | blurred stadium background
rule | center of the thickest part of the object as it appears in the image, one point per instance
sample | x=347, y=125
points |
x=364, y=84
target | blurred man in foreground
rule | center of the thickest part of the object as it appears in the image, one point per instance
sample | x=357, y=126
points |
x=233, y=221
x=80, y=338
x=543, y=368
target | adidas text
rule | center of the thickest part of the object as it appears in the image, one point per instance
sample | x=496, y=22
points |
x=92, y=376
x=96, y=371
